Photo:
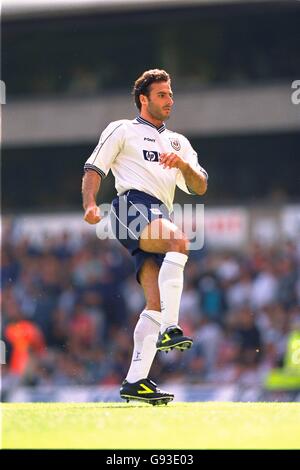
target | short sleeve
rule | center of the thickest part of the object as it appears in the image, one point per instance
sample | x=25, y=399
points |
x=109, y=145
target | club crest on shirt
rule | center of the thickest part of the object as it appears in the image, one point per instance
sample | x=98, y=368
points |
x=175, y=143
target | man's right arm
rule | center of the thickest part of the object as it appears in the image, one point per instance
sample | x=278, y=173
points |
x=90, y=187
x=98, y=166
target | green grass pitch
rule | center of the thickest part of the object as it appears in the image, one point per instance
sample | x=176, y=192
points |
x=209, y=425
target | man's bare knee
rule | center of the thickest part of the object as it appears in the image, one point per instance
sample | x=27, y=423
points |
x=162, y=236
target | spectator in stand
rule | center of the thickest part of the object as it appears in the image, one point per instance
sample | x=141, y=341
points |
x=25, y=338
x=246, y=334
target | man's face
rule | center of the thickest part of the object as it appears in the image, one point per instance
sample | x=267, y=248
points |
x=160, y=101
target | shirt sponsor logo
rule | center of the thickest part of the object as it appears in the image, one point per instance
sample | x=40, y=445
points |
x=175, y=144
x=150, y=156
x=148, y=138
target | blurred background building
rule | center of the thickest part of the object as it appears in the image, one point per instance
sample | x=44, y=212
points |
x=67, y=316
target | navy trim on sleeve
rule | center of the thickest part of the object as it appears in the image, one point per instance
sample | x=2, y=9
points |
x=89, y=166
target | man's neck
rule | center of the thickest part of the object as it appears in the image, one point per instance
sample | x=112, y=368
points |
x=157, y=123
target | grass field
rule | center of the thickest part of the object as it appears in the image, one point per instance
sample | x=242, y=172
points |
x=210, y=425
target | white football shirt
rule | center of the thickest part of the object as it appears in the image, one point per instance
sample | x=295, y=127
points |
x=131, y=149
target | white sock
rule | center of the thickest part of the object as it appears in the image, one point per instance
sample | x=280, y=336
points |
x=170, y=282
x=145, y=337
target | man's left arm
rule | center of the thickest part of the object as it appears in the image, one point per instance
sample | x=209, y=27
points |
x=195, y=180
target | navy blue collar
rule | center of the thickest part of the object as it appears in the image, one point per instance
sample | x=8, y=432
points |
x=160, y=129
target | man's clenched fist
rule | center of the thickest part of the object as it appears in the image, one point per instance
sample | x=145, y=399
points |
x=92, y=214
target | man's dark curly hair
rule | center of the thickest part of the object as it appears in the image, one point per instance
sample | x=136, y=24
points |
x=142, y=84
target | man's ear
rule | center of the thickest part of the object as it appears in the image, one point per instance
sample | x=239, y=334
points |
x=143, y=99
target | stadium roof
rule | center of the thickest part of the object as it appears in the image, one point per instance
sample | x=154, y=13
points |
x=29, y=8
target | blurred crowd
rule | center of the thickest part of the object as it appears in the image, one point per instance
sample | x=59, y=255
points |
x=70, y=305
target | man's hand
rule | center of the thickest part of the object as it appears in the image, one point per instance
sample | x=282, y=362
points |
x=92, y=214
x=194, y=180
x=171, y=160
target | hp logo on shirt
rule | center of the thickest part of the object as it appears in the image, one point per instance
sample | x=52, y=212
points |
x=151, y=156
